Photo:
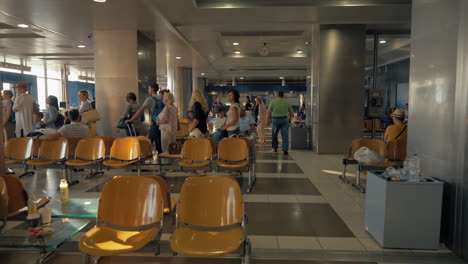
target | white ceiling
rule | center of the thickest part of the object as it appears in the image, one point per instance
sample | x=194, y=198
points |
x=203, y=37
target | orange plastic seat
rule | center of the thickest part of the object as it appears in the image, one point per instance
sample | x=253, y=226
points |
x=108, y=141
x=196, y=153
x=51, y=152
x=18, y=197
x=234, y=155
x=19, y=151
x=72, y=143
x=145, y=147
x=130, y=216
x=210, y=218
x=169, y=203
x=88, y=152
x=3, y=203
x=124, y=152
x=183, y=131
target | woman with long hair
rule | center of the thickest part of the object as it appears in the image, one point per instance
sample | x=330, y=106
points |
x=199, y=108
x=262, y=119
x=233, y=115
x=51, y=113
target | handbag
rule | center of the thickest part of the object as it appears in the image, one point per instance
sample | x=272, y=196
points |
x=90, y=116
x=122, y=124
x=175, y=148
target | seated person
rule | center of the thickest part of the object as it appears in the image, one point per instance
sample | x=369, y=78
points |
x=399, y=129
x=246, y=123
x=74, y=130
x=214, y=126
x=37, y=119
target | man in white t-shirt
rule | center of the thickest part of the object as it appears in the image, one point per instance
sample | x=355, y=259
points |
x=74, y=130
x=23, y=108
x=215, y=125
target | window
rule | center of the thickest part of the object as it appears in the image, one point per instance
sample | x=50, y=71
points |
x=41, y=93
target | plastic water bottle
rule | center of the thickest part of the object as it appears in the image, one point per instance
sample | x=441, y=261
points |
x=414, y=169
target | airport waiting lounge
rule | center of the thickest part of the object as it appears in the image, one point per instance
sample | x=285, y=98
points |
x=234, y=131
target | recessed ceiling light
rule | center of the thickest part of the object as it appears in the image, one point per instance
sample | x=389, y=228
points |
x=281, y=78
x=242, y=78
x=382, y=41
x=237, y=52
x=307, y=43
x=203, y=74
x=299, y=51
x=81, y=46
x=178, y=58
x=23, y=25
x=100, y=1
x=235, y=43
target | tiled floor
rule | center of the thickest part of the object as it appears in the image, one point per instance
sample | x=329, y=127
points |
x=299, y=213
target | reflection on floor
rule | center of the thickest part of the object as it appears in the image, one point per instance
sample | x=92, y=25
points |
x=299, y=213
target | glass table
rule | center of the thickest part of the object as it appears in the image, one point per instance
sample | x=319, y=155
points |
x=160, y=161
x=64, y=229
x=74, y=208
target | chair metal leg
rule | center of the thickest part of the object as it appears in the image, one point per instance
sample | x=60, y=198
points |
x=343, y=177
x=357, y=185
x=85, y=258
x=139, y=169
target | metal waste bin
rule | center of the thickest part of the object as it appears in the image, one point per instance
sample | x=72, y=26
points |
x=402, y=214
x=298, y=137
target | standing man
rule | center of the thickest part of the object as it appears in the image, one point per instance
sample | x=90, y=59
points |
x=23, y=108
x=217, y=105
x=155, y=105
x=279, y=113
x=8, y=115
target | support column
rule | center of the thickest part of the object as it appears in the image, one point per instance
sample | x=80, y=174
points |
x=116, y=72
x=438, y=101
x=340, y=89
x=179, y=91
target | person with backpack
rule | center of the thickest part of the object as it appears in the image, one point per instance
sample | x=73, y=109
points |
x=52, y=112
x=24, y=109
x=8, y=115
x=155, y=105
x=129, y=112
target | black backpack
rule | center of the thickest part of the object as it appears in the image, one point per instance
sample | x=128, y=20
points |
x=59, y=121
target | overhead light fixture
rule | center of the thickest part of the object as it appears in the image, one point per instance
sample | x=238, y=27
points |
x=308, y=77
x=235, y=43
x=242, y=78
x=281, y=78
x=23, y=25
x=202, y=74
x=100, y=1
x=382, y=41
x=81, y=46
x=307, y=43
x=299, y=51
x=237, y=52
x=178, y=58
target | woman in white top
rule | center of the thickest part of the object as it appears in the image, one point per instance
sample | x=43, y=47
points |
x=233, y=115
x=85, y=104
x=262, y=119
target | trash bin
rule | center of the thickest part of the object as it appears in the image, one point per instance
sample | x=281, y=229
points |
x=298, y=137
x=402, y=214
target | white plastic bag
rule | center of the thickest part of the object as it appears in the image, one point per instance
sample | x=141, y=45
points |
x=366, y=155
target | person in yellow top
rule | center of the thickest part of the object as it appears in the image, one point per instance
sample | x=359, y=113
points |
x=399, y=129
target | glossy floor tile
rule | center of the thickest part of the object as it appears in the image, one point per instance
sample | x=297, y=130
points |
x=272, y=156
x=278, y=168
x=282, y=186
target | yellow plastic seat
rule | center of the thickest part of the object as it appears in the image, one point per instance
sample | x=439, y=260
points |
x=124, y=152
x=51, y=152
x=145, y=147
x=183, y=131
x=206, y=244
x=108, y=141
x=88, y=151
x=19, y=151
x=196, y=153
x=3, y=203
x=210, y=218
x=234, y=155
x=130, y=216
x=72, y=143
x=169, y=203
x=18, y=197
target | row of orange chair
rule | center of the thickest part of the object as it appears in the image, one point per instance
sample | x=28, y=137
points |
x=233, y=154
x=210, y=219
